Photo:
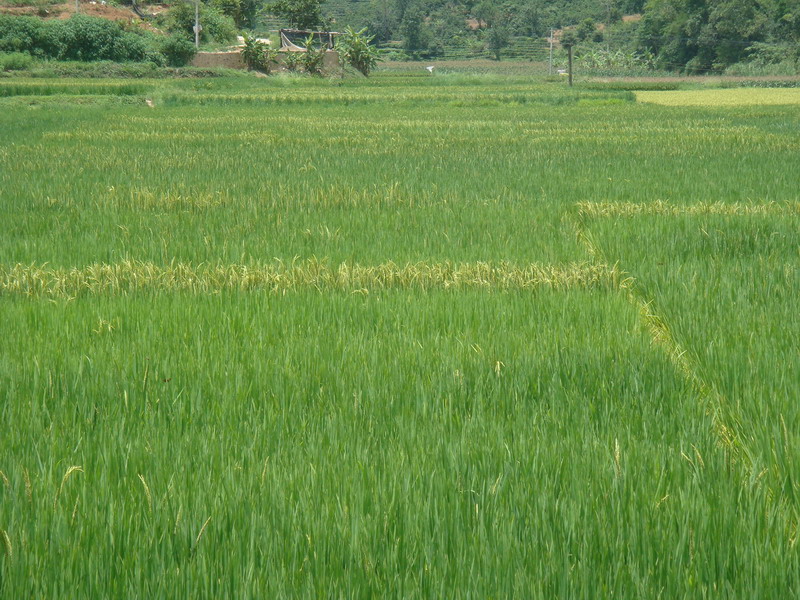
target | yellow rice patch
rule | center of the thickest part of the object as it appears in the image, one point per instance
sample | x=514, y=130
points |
x=725, y=97
x=135, y=276
x=659, y=207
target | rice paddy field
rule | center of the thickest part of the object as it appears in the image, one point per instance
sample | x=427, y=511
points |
x=462, y=336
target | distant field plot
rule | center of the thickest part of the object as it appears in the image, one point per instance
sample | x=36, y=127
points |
x=429, y=179
x=723, y=97
x=72, y=87
x=416, y=336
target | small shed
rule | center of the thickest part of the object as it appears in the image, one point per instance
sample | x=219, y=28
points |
x=294, y=40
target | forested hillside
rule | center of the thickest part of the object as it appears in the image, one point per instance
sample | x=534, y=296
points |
x=524, y=17
x=702, y=35
x=692, y=36
x=695, y=35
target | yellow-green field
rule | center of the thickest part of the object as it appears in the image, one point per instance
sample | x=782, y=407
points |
x=723, y=97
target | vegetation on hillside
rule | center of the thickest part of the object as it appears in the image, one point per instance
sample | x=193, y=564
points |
x=698, y=36
x=706, y=35
x=84, y=38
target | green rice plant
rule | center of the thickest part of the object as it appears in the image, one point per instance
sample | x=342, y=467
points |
x=351, y=440
x=77, y=87
x=7, y=545
x=643, y=84
x=15, y=61
x=726, y=282
x=446, y=336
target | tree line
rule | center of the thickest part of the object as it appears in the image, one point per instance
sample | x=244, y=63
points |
x=689, y=35
x=709, y=35
x=685, y=35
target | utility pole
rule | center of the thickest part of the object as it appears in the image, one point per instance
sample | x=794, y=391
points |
x=569, y=49
x=568, y=40
x=550, y=68
x=197, y=28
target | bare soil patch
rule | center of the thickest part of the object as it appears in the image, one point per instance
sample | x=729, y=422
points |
x=66, y=10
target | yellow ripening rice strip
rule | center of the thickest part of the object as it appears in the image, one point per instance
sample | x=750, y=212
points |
x=725, y=97
x=132, y=276
x=630, y=209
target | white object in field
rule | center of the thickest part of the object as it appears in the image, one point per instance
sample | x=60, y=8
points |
x=287, y=43
x=430, y=69
x=562, y=71
x=149, y=103
x=240, y=40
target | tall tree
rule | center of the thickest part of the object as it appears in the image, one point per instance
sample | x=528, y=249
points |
x=703, y=35
x=486, y=13
x=303, y=14
x=529, y=18
x=497, y=38
x=416, y=37
x=383, y=22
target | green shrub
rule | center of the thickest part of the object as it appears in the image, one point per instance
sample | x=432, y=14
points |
x=218, y=26
x=178, y=51
x=356, y=48
x=80, y=38
x=313, y=58
x=602, y=60
x=15, y=61
x=638, y=86
x=497, y=38
x=88, y=38
x=291, y=60
x=21, y=34
x=757, y=69
x=215, y=25
x=257, y=55
x=585, y=30
x=243, y=12
x=395, y=55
